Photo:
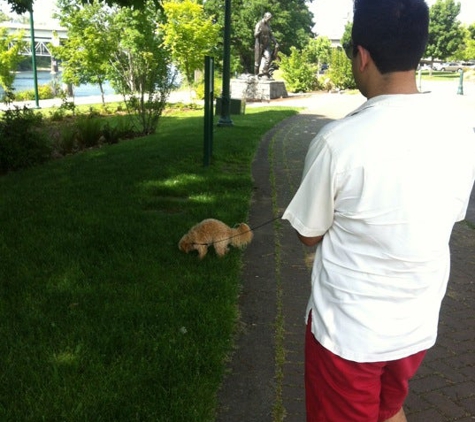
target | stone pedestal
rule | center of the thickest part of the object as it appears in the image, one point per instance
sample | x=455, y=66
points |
x=254, y=89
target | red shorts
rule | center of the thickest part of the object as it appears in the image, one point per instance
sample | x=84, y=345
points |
x=338, y=390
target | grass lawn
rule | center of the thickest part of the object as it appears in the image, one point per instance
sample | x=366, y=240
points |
x=444, y=76
x=102, y=317
x=439, y=76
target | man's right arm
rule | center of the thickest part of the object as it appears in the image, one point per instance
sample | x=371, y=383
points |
x=309, y=241
x=257, y=30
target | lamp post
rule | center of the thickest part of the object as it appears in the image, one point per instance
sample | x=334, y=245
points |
x=33, y=55
x=460, y=87
x=225, y=119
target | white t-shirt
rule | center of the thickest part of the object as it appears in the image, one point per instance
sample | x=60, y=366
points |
x=385, y=185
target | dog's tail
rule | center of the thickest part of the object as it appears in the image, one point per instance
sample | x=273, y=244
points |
x=241, y=235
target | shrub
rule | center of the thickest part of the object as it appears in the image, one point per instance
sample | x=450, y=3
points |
x=297, y=71
x=325, y=83
x=66, y=108
x=23, y=142
x=340, y=72
x=65, y=141
x=113, y=133
x=45, y=92
x=88, y=131
x=199, y=89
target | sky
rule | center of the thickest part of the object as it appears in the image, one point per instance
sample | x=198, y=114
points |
x=330, y=15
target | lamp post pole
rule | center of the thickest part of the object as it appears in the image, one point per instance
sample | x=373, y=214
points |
x=33, y=56
x=460, y=87
x=225, y=119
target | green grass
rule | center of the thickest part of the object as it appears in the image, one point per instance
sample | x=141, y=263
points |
x=440, y=76
x=102, y=317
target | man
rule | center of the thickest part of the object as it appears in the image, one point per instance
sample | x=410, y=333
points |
x=380, y=193
x=263, y=51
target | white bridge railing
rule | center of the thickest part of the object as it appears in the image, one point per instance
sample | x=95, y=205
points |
x=44, y=37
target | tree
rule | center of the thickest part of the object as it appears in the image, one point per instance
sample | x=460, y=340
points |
x=471, y=31
x=4, y=17
x=291, y=24
x=22, y=6
x=470, y=43
x=467, y=48
x=340, y=72
x=139, y=65
x=124, y=46
x=189, y=35
x=319, y=50
x=445, y=31
x=10, y=56
x=346, y=37
x=85, y=53
x=298, y=71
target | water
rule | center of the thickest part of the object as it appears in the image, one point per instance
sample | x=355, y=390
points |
x=24, y=82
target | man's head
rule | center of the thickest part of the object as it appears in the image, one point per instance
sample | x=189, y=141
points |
x=394, y=32
x=267, y=16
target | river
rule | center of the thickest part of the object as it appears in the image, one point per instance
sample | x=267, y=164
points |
x=24, y=82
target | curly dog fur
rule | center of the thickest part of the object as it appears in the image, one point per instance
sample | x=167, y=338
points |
x=214, y=232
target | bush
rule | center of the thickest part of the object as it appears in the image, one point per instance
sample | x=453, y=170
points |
x=67, y=108
x=122, y=129
x=340, y=72
x=298, y=72
x=67, y=142
x=88, y=131
x=23, y=143
x=199, y=89
x=45, y=92
x=325, y=83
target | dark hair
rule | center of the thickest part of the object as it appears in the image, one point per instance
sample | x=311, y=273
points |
x=394, y=32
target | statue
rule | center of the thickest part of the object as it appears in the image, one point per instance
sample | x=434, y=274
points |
x=264, y=52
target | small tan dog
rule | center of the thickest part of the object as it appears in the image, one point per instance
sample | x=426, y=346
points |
x=214, y=232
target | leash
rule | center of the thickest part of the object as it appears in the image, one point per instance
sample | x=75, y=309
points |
x=251, y=229
x=266, y=223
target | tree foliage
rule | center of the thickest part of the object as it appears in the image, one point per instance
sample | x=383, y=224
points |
x=469, y=51
x=4, y=17
x=20, y=6
x=86, y=51
x=291, y=24
x=300, y=67
x=11, y=46
x=124, y=46
x=188, y=34
x=298, y=71
x=445, y=30
x=346, y=37
x=319, y=50
x=22, y=142
x=471, y=31
x=140, y=66
x=340, y=71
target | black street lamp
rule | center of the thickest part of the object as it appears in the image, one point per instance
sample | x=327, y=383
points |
x=225, y=118
x=33, y=55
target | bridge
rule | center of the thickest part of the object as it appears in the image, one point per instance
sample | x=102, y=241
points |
x=44, y=35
